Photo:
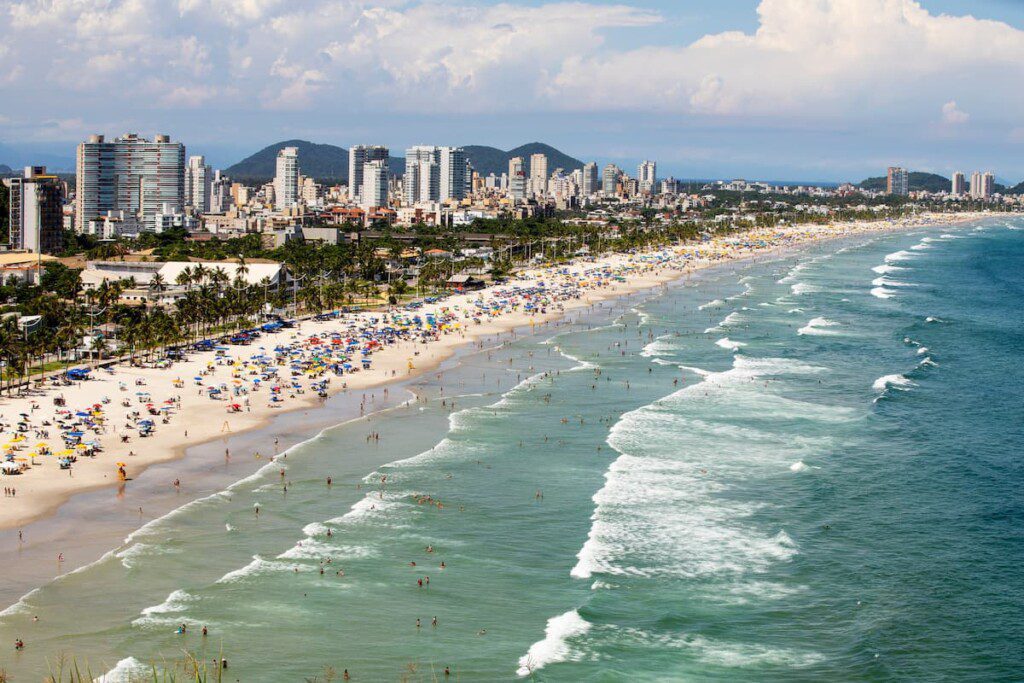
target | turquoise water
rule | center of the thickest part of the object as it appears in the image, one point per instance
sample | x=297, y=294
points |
x=802, y=469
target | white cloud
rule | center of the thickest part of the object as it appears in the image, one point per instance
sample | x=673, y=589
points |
x=953, y=115
x=820, y=60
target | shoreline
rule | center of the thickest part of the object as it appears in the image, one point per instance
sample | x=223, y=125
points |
x=389, y=360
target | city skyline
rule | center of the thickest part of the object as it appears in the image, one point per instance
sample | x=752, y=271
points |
x=703, y=113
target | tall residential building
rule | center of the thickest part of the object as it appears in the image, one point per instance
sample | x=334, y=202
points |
x=422, y=179
x=36, y=211
x=610, y=180
x=976, y=185
x=358, y=157
x=517, y=178
x=539, y=175
x=988, y=185
x=959, y=184
x=220, y=193
x=453, y=173
x=647, y=177
x=198, y=184
x=129, y=174
x=375, y=185
x=897, y=181
x=286, y=179
x=590, y=180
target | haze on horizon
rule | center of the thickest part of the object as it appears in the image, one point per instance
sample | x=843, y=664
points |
x=778, y=89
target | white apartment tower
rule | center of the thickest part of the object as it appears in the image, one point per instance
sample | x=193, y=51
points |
x=453, y=173
x=198, y=185
x=958, y=185
x=286, y=179
x=422, y=179
x=358, y=157
x=539, y=175
x=129, y=174
x=647, y=176
x=375, y=185
x=988, y=185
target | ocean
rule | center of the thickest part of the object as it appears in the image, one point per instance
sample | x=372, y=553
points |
x=806, y=467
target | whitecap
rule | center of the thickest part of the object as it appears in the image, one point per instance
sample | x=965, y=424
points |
x=711, y=304
x=882, y=293
x=798, y=466
x=819, y=327
x=127, y=670
x=892, y=381
x=555, y=646
x=727, y=343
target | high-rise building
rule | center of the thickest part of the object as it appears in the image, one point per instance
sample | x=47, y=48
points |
x=358, y=157
x=976, y=185
x=375, y=184
x=897, y=181
x=129, y=174
x=988, y=185
x=220, y=193
x=647, y=177
x=959, y=184
x=590, y=179
x=539, y=175
x=453, y=173
x=36, y=211
x=517, y=178
x=610, y=180
x=422, y=180
x=198, y=184
x=286, y=179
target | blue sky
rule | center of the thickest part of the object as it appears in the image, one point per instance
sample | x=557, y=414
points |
x=775, y=89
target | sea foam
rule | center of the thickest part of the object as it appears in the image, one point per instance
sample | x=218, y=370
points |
x=555, y=646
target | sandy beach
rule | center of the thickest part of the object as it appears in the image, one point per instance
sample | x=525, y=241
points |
x=106, y=414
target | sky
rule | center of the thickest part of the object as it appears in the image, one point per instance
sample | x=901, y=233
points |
x=814, y=90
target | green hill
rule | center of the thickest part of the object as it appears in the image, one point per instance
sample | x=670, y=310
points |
x=328, y=163
x=1016, y=189
x=928, y=182
x=487, y=160
x=5, y=170
x=325, y=163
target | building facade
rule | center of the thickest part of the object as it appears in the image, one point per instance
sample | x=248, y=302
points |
x=589, y=185
x=198, y=185
x=129, y=174
x=453, y=172
x=647, y=177
x=286, y=178
x=358, y=157
x=539, y=175
x=897, y=181
x=958, y=186
x=375, y=185
x=36, y=211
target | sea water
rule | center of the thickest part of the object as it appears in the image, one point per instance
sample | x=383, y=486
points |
x=801, y=468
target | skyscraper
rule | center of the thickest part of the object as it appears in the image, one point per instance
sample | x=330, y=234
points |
x=988, y=185
x=36, y=211
x=976, y=191
x=897, y=181
x=610, y=180
x=129, y=174
x=517, y=179
x=647, y=177
x=453, y=173
x=539, y=175
x=286, y=179
x=590, y=179
x=422, y=180
x=375, y=184
x=959, y=184
x=198, y=184
x=358, y=157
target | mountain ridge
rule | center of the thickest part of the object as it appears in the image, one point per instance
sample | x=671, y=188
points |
x=325, y=162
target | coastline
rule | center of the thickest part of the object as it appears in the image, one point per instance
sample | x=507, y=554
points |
x=206, y=430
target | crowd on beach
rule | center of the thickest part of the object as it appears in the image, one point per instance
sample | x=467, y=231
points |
x=104, y=425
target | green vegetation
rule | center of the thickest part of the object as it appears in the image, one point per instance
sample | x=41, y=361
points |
x=487, y=160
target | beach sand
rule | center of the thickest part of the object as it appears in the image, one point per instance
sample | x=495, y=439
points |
x=196, y=419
